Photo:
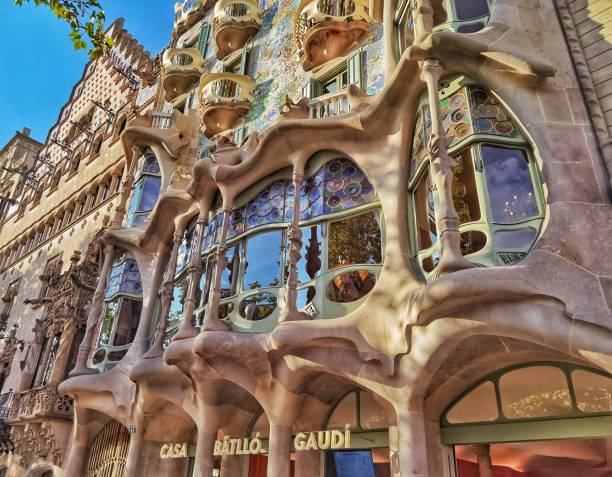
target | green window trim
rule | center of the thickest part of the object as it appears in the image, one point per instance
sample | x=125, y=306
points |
x=475, y=140
x=573, y=424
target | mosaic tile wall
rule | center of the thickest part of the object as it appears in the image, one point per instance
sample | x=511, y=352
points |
x=274, y=62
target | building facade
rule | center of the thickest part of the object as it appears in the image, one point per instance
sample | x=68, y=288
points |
x=337, y=238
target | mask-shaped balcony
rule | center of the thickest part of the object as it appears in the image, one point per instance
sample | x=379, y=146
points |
x=235, y=22
x=225, y=98
x=188, y=13
x=328, y=29
x=182, y=68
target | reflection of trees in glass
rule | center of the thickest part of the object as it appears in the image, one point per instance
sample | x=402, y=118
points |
x=549, y=403
x=350, y=286
x=110, y=314
x=595, y=399
x=178, y=302
x=356, y=240
x=258, y=306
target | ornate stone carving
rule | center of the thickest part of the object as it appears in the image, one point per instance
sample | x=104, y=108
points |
x=35, y=441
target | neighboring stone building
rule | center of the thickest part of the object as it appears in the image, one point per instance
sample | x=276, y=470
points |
x=354, y=238
x=60, y=196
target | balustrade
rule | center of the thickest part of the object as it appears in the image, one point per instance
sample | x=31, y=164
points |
x=162, y=120
x=182, y=68
x=225, y=98
x=329, y=105
x=42, y=402
x=328, y=29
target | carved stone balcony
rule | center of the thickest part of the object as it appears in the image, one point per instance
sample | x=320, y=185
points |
x=225, y=98
x=188, y=13
x=43, y=402
x=182, y=69
x=235, y=22
x=329, y=105
x=328, y=29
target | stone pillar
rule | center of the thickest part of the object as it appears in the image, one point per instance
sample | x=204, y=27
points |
x=441, y=171
x=294, y=236
x=63, y=352
x=484, y=460
x=235, y=466
x=167, y=292
x=204, y=458
x=79, y=450
x=141, y=340
x=133, y=465
x=394, y=449
x=95, y=314
x=279, y=448
x=211, y=320
x=412, y=444
x=187, y=330
x=128, y=185
x=308, y=464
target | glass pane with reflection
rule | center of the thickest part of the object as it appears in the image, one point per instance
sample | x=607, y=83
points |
x=511, y=193
x=263, y=260
x=536, y=391
x=593, y=391
x=355, y=240
x=229, y=276
x=479, y=405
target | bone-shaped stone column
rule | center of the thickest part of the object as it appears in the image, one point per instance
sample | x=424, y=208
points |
x=166, y=292
x=294, y=237
x=441, y=171
x=211, y=319
x=187, y=330
x=126, y=191
x=95, y=314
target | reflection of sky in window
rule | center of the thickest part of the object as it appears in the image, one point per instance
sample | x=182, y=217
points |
x=233, y=255
x=511, y=193
x=178, y=301
x=263, y=260
x=150, y=193
x=467, y=10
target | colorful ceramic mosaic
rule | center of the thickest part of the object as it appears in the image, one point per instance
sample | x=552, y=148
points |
x=470, y=110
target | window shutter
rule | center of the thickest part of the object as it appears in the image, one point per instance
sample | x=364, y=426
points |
x=353, y=68
x=310, y=90
x=203, y=40
x=244, y=61
x=239, y=134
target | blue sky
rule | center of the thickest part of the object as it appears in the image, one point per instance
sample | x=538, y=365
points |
x=38, y=65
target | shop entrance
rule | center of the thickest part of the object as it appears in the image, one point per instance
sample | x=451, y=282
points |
x=539, y=420
x=369, y=454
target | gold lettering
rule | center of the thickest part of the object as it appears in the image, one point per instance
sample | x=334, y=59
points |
x=323, y=439
x=225, y=449
x=300, y=441
x=217, y=450
x=163, y=452
x=312, y=442
x=337, y=439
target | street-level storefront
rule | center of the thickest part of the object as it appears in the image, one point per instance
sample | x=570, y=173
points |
x=544, y=419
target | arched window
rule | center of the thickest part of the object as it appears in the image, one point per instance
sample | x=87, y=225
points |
x=120, y=126
x=147, y=186
x=96, y=147
x=511, y=417
x=496, y=191
x=76, y=162
x=123, y=304
x=341, y=256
